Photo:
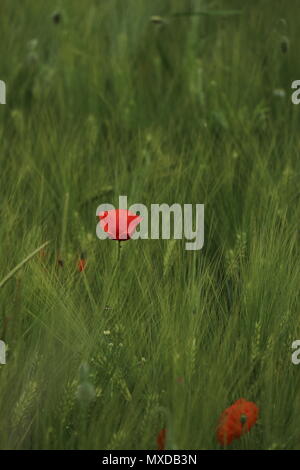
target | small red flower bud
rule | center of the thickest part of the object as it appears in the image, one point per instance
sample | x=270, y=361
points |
x=161, y=439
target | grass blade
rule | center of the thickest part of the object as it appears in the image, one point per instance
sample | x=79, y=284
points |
x=20, y=265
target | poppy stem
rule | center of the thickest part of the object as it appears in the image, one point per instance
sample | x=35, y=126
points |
x=119, y=251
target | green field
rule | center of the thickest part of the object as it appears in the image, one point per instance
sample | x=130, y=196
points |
x=191, y=108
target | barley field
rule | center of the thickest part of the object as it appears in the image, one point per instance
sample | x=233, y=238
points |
x=165, y=101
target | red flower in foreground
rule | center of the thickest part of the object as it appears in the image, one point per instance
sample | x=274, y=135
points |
x=119, y=224
x=81, y=265
x=43, y=253
x=161, y=439
x=236, y=421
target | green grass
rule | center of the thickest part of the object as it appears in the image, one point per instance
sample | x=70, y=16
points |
x=107, y=103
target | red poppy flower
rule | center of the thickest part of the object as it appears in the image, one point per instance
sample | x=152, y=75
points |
x=119, y=224
x=236, y=421
x=161, y=439
x=81, y=265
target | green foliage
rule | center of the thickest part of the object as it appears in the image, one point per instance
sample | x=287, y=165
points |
x=147, y=99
